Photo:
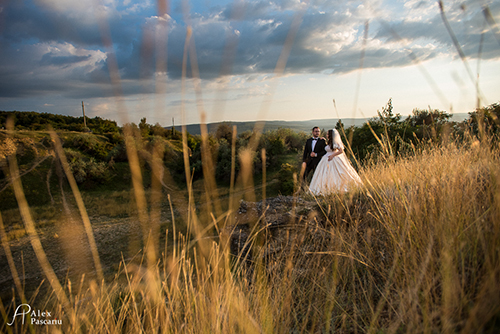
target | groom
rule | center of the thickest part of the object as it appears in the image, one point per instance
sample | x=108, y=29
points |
x=313, y=152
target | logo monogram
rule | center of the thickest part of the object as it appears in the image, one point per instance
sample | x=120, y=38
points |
x=24, y=312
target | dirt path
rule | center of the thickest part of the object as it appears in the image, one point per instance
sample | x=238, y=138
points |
x=66, y=247
x=68, y=250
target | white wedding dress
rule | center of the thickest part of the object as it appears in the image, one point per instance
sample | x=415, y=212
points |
x=333, y=176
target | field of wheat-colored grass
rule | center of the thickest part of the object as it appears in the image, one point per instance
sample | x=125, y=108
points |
x=415, y=249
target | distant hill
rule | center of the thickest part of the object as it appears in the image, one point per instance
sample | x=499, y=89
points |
x=305, y=126
x=41, y=121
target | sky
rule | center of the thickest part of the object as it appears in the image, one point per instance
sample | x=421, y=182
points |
x=187, y=62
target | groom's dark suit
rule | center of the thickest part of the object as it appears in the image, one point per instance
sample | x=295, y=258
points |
x=312, y=162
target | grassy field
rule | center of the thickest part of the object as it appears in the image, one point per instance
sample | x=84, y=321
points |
x=415, y=249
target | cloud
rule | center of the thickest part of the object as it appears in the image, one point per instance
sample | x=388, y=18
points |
x=49, y=59
x=57, y=45
x=74, y=6
x=467, y=24
x=46, y=67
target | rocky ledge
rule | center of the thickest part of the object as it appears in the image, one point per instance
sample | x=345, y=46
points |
x=277, y=224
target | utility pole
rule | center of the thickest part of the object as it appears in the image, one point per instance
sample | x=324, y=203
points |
x=173, y=127
x=84, y=119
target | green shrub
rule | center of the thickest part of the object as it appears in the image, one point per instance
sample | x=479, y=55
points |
x=285, y=178
x=90, y=144
x=223, y=168
x=86, y=169
x=118, y=153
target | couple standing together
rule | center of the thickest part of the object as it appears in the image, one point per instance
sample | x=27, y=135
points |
x=327, y=160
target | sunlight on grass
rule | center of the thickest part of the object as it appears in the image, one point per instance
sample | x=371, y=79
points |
x=414, y=249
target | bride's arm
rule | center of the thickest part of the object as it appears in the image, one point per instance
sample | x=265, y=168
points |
x=337, y=151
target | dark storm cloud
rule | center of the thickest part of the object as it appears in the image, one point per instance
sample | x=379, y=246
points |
x=19, y=87
x=25, y=21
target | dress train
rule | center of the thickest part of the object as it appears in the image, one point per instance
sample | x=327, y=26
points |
x=336, y=175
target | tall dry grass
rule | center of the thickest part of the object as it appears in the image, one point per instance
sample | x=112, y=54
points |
x=415, y=249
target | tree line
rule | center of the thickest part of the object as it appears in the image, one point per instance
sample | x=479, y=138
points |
x=30, y=120
x=390, y=133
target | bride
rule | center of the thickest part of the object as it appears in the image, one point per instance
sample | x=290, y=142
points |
x=334, y=172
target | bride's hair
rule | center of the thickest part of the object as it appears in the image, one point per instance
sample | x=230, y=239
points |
x=330, y=139
x=334, y=138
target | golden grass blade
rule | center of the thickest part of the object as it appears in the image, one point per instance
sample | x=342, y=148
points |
x=33, y=235
x=338, y=254
x=479, y=55
x=132, y=155
x=155, y=203
x=228, y=56
x=380, y=141
x=139, y=193
x=185, y=148
x=264, y=179
x=161, y=42
x=81, y=206
x=10, y=260
x=211, y=193
x=5, y=317
x=360, y=70
x=459, y=49
x=491, y=21
x=129, y=140
x=246, y=173
x=348, y=141
x=413, y=57
x=278, y=72
x=49, y=174
x=193, y=221
x=231, y=204
x=35, y=165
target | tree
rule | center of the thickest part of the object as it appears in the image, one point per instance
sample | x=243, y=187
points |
x=339, y=126
x=487, y=118
x=224, y=130
x=427, y=117
x=224, y=160
x=145, y=128
x=159, y=130
x=386, y=115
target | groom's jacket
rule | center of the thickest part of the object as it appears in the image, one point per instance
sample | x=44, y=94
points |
x=319, y=149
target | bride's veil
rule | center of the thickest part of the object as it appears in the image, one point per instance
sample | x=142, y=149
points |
x=336, y=139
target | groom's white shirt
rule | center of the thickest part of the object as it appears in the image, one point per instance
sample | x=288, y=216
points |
x=314, y=143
